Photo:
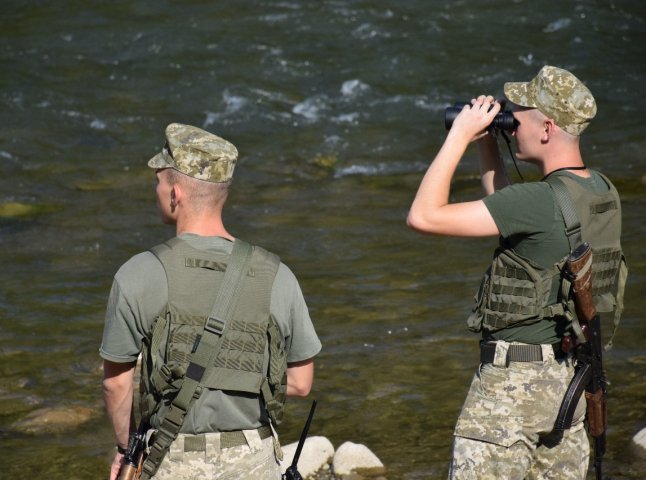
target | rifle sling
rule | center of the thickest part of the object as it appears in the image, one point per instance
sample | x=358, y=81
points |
x=572, y=396
x=203, y=356
x=573, y=233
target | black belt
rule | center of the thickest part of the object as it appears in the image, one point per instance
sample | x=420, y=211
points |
x=519, y=353
x=197, y=443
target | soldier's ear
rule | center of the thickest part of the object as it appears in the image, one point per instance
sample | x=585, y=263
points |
x=549, y=129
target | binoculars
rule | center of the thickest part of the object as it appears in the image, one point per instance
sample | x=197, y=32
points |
x=504, y=120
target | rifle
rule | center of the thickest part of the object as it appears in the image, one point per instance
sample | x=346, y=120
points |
x=135, y=455
x=292, y=472
x=589, y=374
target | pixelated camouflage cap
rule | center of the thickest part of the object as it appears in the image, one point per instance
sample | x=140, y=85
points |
x=196, y=153
x=557, y=94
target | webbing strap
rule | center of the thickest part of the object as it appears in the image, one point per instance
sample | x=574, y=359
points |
x=158, y=334
x=572, y=223
x=203, y=356
x=572, y=231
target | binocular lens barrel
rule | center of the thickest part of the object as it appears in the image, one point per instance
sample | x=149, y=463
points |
x=503, y=120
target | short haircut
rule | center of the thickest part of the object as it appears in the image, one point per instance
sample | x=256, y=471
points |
x=200, y=193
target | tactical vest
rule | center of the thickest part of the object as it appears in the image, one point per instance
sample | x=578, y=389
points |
x=515, y=290
x=194, y=278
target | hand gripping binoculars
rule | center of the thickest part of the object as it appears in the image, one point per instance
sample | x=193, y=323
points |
x=504, y=120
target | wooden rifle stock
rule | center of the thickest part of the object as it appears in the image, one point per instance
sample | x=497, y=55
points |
x=578, y=269
x=130, y=472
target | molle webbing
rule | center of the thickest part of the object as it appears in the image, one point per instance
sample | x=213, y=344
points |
x=238, y=364
x=515, y=291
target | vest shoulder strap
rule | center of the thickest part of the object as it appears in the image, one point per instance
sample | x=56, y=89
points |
x=568, y=210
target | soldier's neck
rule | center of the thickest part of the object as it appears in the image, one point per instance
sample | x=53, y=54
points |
x=205, y=226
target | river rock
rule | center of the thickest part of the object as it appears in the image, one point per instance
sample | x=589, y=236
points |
x=20, y=210
x=316, y=456
x=639, y=444
x=356, y=461
x=53, y=419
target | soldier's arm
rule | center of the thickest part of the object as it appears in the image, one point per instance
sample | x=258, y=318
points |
x=431, y=211
x=493, y=175
x=117, y=395
x=300, y=376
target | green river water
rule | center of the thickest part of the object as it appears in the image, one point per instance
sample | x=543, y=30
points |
x=336, y=107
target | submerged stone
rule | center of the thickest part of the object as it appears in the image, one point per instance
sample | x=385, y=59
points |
x=53, y=419
x=325, y=161
x=20, y=210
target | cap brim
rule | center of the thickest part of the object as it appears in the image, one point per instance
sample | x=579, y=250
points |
x=518, y=93
x=159, y=161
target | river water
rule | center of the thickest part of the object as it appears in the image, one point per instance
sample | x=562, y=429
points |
x=336, y=107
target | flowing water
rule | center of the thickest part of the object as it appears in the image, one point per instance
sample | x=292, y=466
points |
x=336, y=107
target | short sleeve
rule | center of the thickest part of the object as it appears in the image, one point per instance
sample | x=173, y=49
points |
x=523, y=209
x=290, y=310
x=138, y=295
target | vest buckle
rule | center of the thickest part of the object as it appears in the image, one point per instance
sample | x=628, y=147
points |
x=214, y=325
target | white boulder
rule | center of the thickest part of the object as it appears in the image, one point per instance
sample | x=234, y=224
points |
x=639, y=443
x=353, y=458
x=316, y=455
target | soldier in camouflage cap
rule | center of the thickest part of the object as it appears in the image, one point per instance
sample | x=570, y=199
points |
x=505, y=426
x=157, y=308
x=196, y=153
x=557, y=94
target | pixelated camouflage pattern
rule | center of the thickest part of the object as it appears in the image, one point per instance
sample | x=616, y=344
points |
x=559, y=95
x=196, y=153
x=256, y=462
x=503, y=429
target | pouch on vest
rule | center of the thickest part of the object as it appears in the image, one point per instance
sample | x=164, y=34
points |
x=513, y=290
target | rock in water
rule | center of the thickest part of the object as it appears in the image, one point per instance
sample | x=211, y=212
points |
x=53, y=419
x=639, y=444
x=316, y=455
x=352, y=458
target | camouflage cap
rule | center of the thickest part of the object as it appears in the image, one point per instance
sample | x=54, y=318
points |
x=196, y=153
x=557, y=94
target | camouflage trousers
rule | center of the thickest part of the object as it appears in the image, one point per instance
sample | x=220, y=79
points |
x=503, y=429
x=257, y=460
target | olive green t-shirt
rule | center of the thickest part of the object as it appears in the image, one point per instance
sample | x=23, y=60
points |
x=530, y=222
x=140, y=293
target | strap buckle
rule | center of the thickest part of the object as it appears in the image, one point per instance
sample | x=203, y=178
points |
x=573, y=230
x=214, y=325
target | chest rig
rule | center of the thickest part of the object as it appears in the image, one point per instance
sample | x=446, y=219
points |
x=216, y=332
x=515, y=290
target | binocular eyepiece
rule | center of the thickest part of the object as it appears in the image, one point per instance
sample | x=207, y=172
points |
x=504, y=120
